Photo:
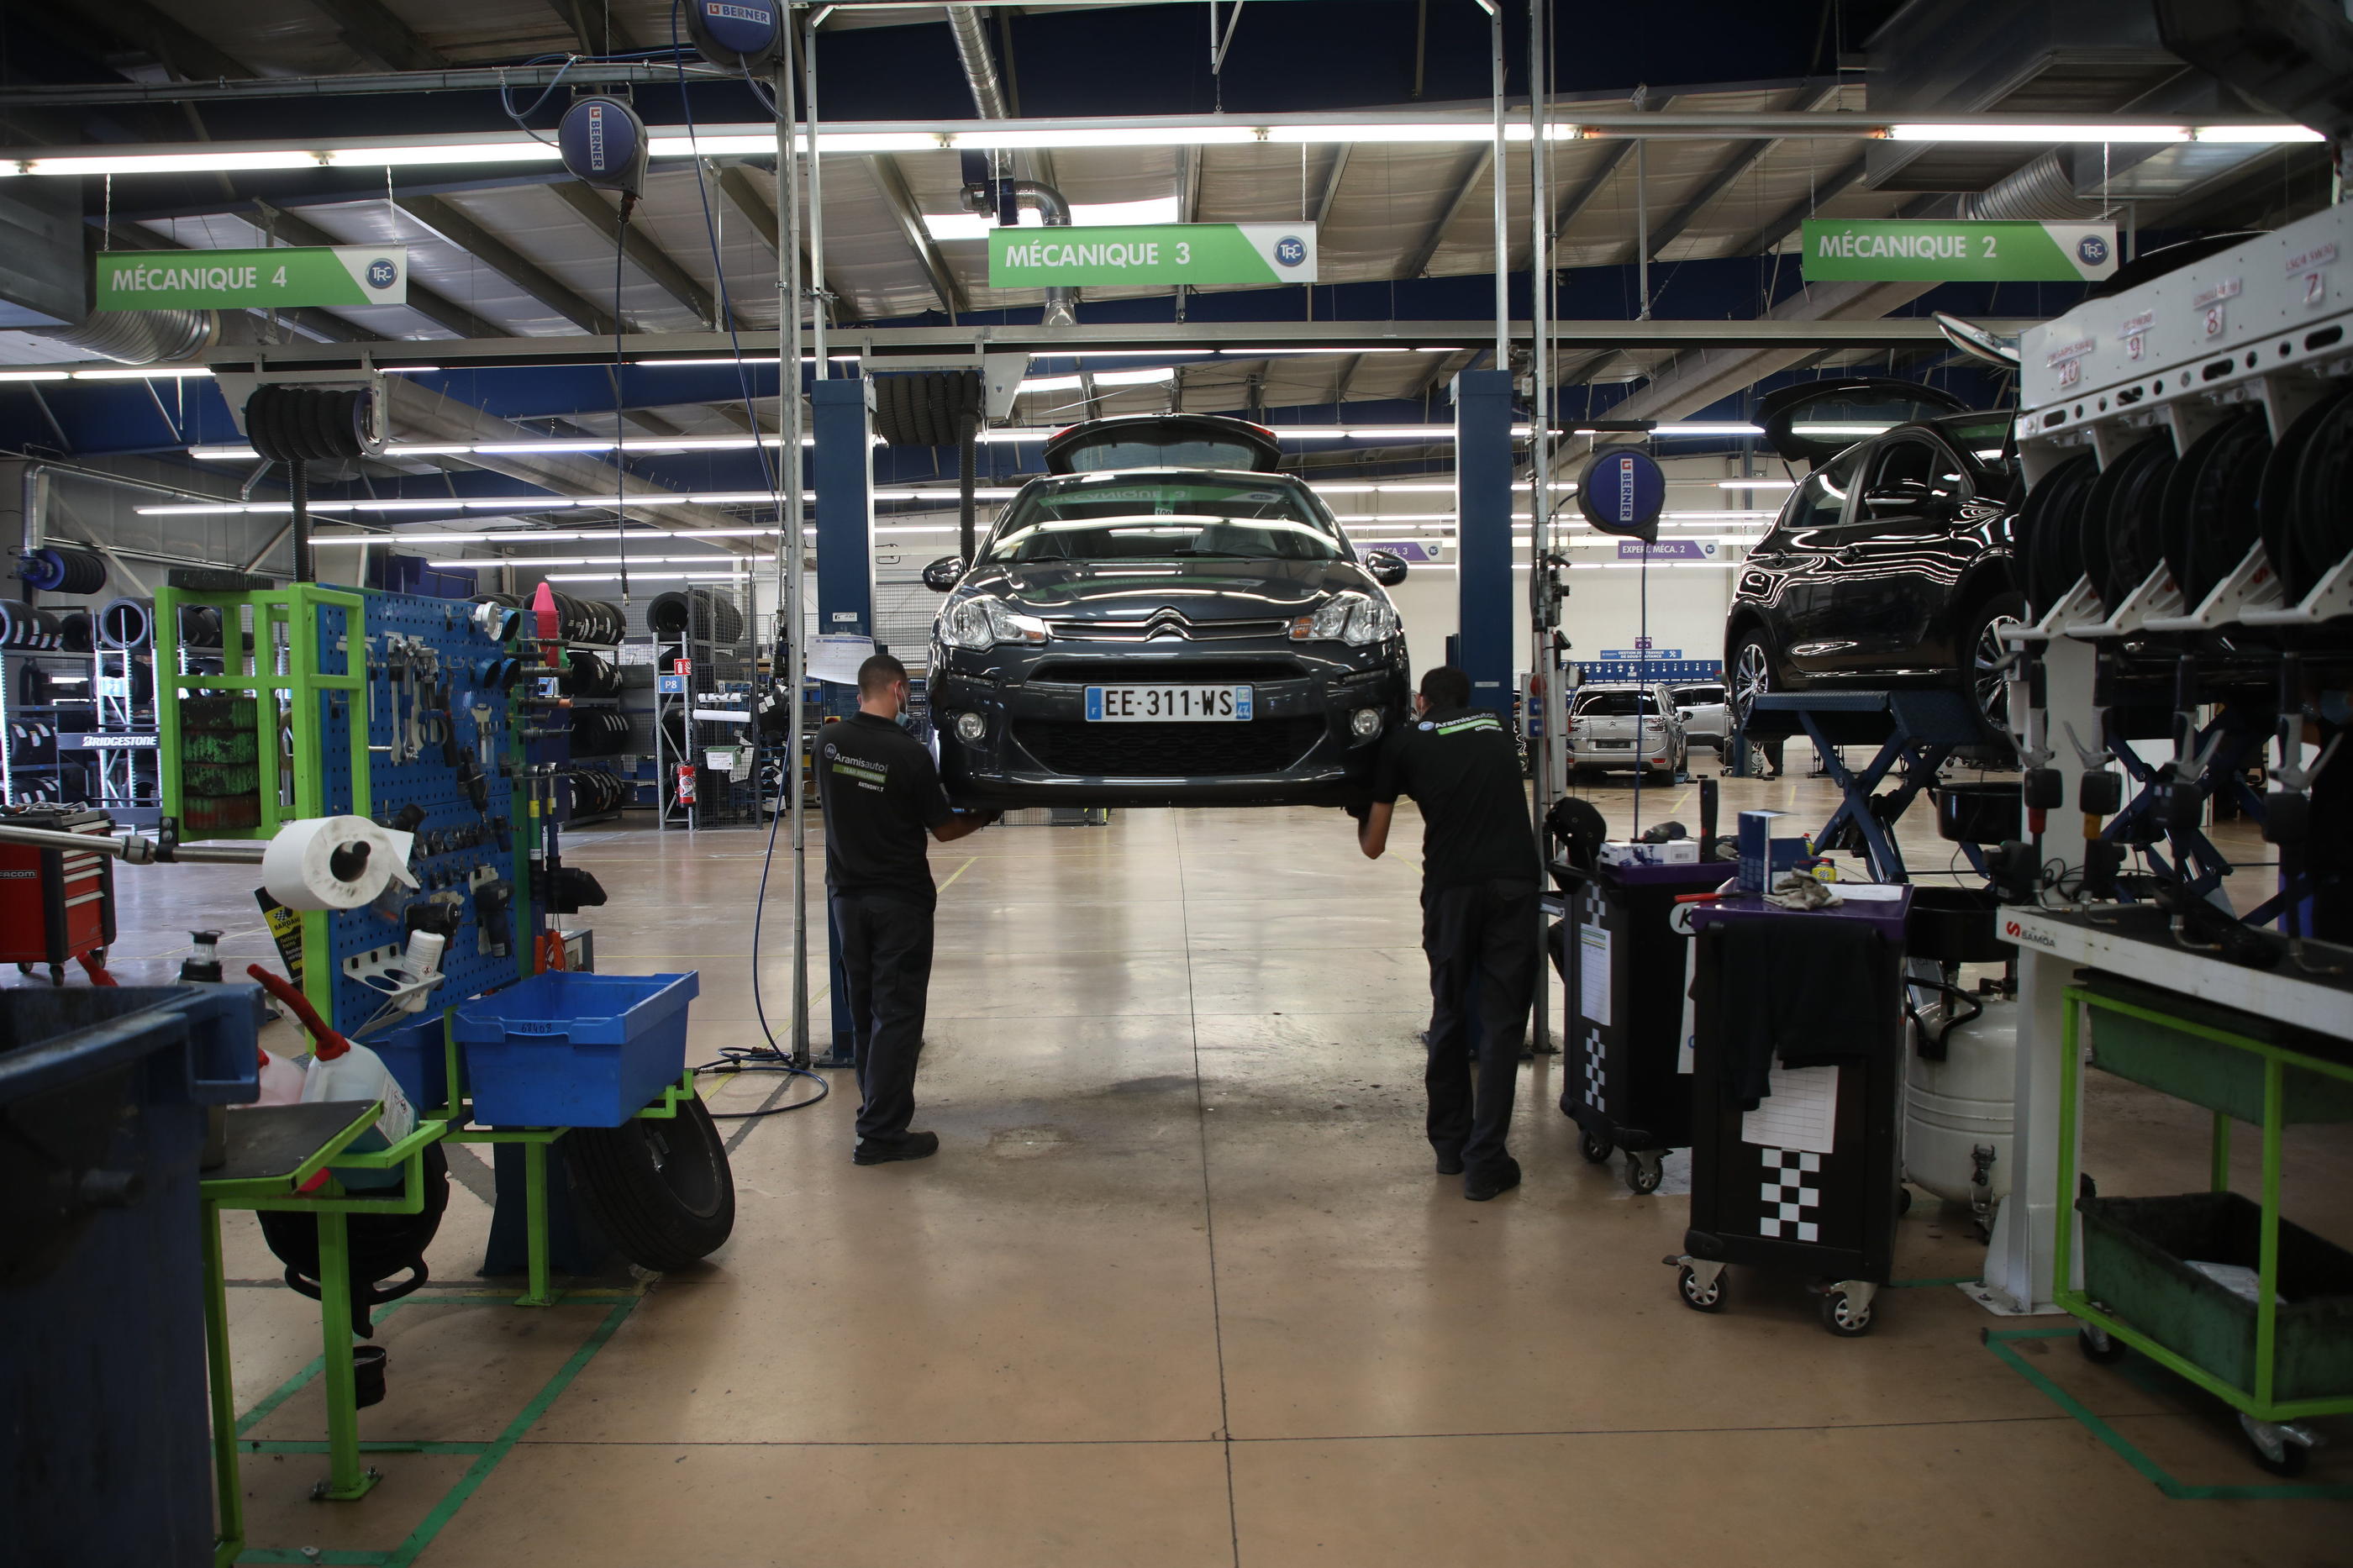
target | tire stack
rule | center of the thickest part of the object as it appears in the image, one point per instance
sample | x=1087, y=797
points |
x=699, y=614
x=2198, y=514
x=587, y=674
x=599, y=733
x=596, y=793
x=220, y=779
x=126, y=623
x=23, y=626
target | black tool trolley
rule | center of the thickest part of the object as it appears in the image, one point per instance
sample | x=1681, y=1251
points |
x=1807, y=1182
x=1625, y=973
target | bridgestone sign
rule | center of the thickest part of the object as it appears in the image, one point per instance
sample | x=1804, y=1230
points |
x=1934, y=251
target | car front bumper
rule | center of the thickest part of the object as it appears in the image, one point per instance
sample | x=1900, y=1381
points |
x=1037, y=748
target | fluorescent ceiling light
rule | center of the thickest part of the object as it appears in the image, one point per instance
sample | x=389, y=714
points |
x=144, y=373
x=1015, y=138
x=410, y=154
x=1443, y=130
x=616, y=576
x=33, y=374
x=218, y=161
x=2255, y=133
x=1101, y=378
x=1722, y=516
x=631, y=562
x=2089, y=131
x=1755, y=484
x=1401, y=516
x=1842, y=429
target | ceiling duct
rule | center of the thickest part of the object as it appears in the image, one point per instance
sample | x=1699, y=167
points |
x=139, y=337
x=2044, y=189
x=990, y=101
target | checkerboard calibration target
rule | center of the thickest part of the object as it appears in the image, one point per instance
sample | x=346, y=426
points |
x=1597, y=1071
x=1788, y=1192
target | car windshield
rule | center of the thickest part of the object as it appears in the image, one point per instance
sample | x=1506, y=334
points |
x=1158, y=516
x=1615, y=704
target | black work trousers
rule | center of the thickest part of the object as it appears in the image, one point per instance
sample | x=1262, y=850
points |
x=886, y=954
x=1484, y=941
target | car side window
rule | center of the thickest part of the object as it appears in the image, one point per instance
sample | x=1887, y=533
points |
x=1821, y=501
x=1912, y=476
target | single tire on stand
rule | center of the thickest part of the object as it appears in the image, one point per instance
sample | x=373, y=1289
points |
x=661, y=1189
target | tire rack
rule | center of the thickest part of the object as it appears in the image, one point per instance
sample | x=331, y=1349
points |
x=705, y=677
x=604, y=763
x=2264, y=325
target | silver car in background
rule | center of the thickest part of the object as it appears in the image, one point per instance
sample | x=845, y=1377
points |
x=1602, y=734
x=1705, y=714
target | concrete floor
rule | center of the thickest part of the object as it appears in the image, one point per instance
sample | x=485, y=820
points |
x=1182, y=1288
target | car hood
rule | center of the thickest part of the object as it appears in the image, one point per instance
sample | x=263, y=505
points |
x=1211, y=588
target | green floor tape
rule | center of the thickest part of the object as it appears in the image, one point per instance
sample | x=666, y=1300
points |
x=486, y=1455
x=1997, y=1341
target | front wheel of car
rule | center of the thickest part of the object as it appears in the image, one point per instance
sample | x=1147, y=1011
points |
x=1984, y=659
x=1749, y=673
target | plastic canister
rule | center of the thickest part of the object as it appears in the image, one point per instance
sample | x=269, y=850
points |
x=358, y=1073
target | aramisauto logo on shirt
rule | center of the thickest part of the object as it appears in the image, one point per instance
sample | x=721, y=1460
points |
x=858, y=770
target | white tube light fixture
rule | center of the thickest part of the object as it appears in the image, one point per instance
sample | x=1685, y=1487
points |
x=145, y=372
x=1949, y=130
x=1755, y=484
x=33, y=374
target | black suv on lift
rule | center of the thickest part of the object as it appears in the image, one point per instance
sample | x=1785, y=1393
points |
x=1894, y=563
x=1162, y=619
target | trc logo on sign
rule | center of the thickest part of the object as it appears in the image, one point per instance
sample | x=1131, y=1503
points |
x=2092, y=249
x=383, y=272
x=1290, y=251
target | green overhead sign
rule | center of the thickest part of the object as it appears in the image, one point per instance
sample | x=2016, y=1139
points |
x=1928, y=251
x=280, y=278
x=1203, y=254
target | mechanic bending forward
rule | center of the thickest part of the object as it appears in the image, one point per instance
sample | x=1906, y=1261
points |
x=1481, y=925
x=881, y=792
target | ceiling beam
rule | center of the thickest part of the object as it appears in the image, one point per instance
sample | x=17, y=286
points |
x=371, y=31
x=1475, y=167
x=592, y=23
x=454, y=227
x=172, y=44
x=1332, y=177
x=292, y=229
x=1743, y=157
x=748, y=194
x=644, y=253
x=1346, y=374
x=1775, y=229
x=892, y=181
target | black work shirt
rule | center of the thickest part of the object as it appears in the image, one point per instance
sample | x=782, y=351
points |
x=1462, y=767
x=881, y=794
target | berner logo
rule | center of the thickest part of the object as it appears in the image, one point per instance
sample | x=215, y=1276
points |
x=596, y=137
x=1625, y=490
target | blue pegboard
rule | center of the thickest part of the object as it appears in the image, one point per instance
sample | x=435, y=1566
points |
x=461, y=648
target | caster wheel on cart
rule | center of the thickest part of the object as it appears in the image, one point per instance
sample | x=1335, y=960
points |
x=2097, y=1346
x=1699, y=1298
x=2277, y=1448
x=1842, y=1317
x=1596, y=1151
x=1903, y=1200
x=1645, y=1171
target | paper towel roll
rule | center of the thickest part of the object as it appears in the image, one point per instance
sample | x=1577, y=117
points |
x=299, y=866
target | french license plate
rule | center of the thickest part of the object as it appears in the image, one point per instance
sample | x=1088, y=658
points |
x=1168, y=704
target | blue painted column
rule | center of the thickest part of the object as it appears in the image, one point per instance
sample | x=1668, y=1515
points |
x=841, y=468
x=1482, y=489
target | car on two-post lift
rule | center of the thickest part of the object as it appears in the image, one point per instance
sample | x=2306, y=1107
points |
x=1162, y=618
x=1892, y=563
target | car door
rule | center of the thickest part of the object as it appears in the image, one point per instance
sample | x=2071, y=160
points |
x=1784, y=575
x=1890, y=568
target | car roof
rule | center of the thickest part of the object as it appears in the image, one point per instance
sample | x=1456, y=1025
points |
x=1252, y=476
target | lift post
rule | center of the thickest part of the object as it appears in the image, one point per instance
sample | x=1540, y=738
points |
x=1483, y=467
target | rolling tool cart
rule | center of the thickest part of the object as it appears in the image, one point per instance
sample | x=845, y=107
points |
x=56, y=905
x=1797, y=1087
x=1625, y=971
x=2219, y=1289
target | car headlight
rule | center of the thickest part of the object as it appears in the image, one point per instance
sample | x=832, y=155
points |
x=983, y=623
x=1357, y=619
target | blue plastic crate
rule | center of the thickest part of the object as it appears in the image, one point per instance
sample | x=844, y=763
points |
x=570, y=1049
x=414, y=1053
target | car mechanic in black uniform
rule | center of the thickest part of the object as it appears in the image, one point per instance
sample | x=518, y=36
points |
x=882, y=793
x=1481, y=925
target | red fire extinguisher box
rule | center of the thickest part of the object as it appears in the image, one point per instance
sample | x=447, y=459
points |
x=55, y=904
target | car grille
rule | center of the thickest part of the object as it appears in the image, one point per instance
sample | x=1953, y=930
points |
x=1168, y=626
x=1167, y=751
x=1177, y=672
